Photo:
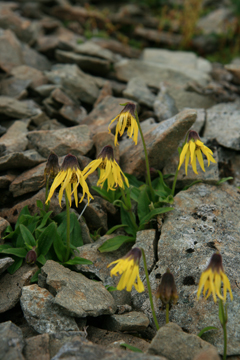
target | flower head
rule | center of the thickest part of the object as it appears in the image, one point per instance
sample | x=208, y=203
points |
x=70, y=176
x=109, y=169
x=212, y=278
x=126, y=118
x=194, y=148
x=167, y=291
x=52, y=166
x=128, y=267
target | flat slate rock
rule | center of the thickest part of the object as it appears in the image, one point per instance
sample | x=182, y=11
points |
x=131, y=321
x=11, y=341
x=15, y=109
x=42, y=313
x=5, y=263
x=21, y=160
x=75, y=293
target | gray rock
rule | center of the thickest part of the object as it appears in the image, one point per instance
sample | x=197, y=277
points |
x=209, y=354
x=153, y=73
x=171, y=342
x=27, y=73
x=21, y=160
x=28, y=181
x=99, y=269
x=215, y=21
x=161, y=141
x=76, y=294
x=81, y=350
x=223, y=124
x=137, y=90
x=92, y=49
x=15, y=138
x=45, y=90
x=42, y=313
x=200, y=120
x=57, y=340
x=14, y=88
x=230, y=164
x=95, y=215
x=6, y=179
x=86, y=63
x=75, y=81
x=11, y=286
x=15, y=109
x=164, y=105
x=5, y=262
x=132, y=321
x=37, y=348
x=33, y=58
x=3, y=224
x=75, y=140
x=205, y=219
x=147, y=240
x=10, y=50
x=11, y=341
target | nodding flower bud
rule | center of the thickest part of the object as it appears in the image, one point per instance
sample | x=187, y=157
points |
x=193, y=135
x=31, y=256
x=106, y=152
x=52, y=166
x=129, y=108
x=70, y=162
x=167, y=291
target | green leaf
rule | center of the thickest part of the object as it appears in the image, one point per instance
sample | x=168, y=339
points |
x=27, y=236
x=134, y=193
x=59, y=247
x=110, y=231
x=8, y=230
x=126, y=220
x=15, y=266
x=78, y=260
x=24, y=211
x=143, y=204
x=39, y=204
x=115, y=243
x=46, y=239
x=44, y=220
x=103, y=192
x=134, y=181
x=76, y=233
x=224, y=180
x=19, y=252
x=179, y=149
x=155, y=212
x=193, y=183
x=206, y=329
x=132, y=348
x=34, y=278
x=41, y=259
x=5, y=246
x=110, y=288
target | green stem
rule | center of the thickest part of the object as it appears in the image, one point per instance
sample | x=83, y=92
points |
x=174, y=182
x=68, y=226
x=223, y=323
x=46, y=194
x=129, y=209
x=167, y=313
x=146, y=158
x=149, y=289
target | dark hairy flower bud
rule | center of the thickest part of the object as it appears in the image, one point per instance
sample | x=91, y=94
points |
x=167, y=291
x=31, y=256
x=106, y=152
x=52, y=166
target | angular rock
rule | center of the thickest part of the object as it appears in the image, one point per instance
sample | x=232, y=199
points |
x=86, y=63
x=12, y=214
x=164, y=105
x=105, y=91
x=11, y=341
x=27, y=73
x=5, y=262
x=75, y=140
x=105, y=138
x=21, y=160
x=137, y=90
x=76, y=294
x=209, y=354
x=37, y=348
x=117, y=47
x=32, y=58
x=75, y=81
x=186, y=346
x=222, y=124
x=12, y=108
x=234, y=69
x=42, y=313
x=3, y=225
x=15, y=138
x=11, y=286
x=215, y=21
x=132, y=321
x=28, y=181
x=95, y=215
x=100, y=117
x=14, y=87
x=147, y=240
x=10, y=50
x=161, y=141
x=93, y=49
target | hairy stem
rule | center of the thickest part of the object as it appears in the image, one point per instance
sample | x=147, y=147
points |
x=68, y=226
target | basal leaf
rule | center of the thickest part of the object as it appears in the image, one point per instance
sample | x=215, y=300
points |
x=132, y=348
x=115, y=243
x=78, y=260
x=208, y=328
x=59, y=247
x=19, y=252
x=16, y=265
x=114, y=228
x=46, y=239
x=155, y=212
x=27, y=236
x=126, y=220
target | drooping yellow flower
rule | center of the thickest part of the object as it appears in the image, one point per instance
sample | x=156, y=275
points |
x=167, y=290
x=128, y=267
x=212, y=278
x=194, y=148
x=70, y=176
x=126, y=118
x=109, y=169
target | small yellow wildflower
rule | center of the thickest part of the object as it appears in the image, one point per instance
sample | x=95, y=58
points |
x=212, y=278
x=194, y=148
x=167, y=291
x=126, y=118
x=109, y=169
x=128, y=267
x=69, y=175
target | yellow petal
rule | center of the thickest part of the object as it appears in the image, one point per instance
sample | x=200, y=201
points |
x=57, y=181
x=192, y=147
x=182, y=155
x=187, y=161
x=200, y=158
x=194, y=163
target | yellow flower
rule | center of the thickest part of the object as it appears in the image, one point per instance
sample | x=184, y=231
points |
x=128, y=267
x=167, y=291
x=194, y=148
x=212, y=278
x=69, y=176
x=109, y=169
x=126, y=118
